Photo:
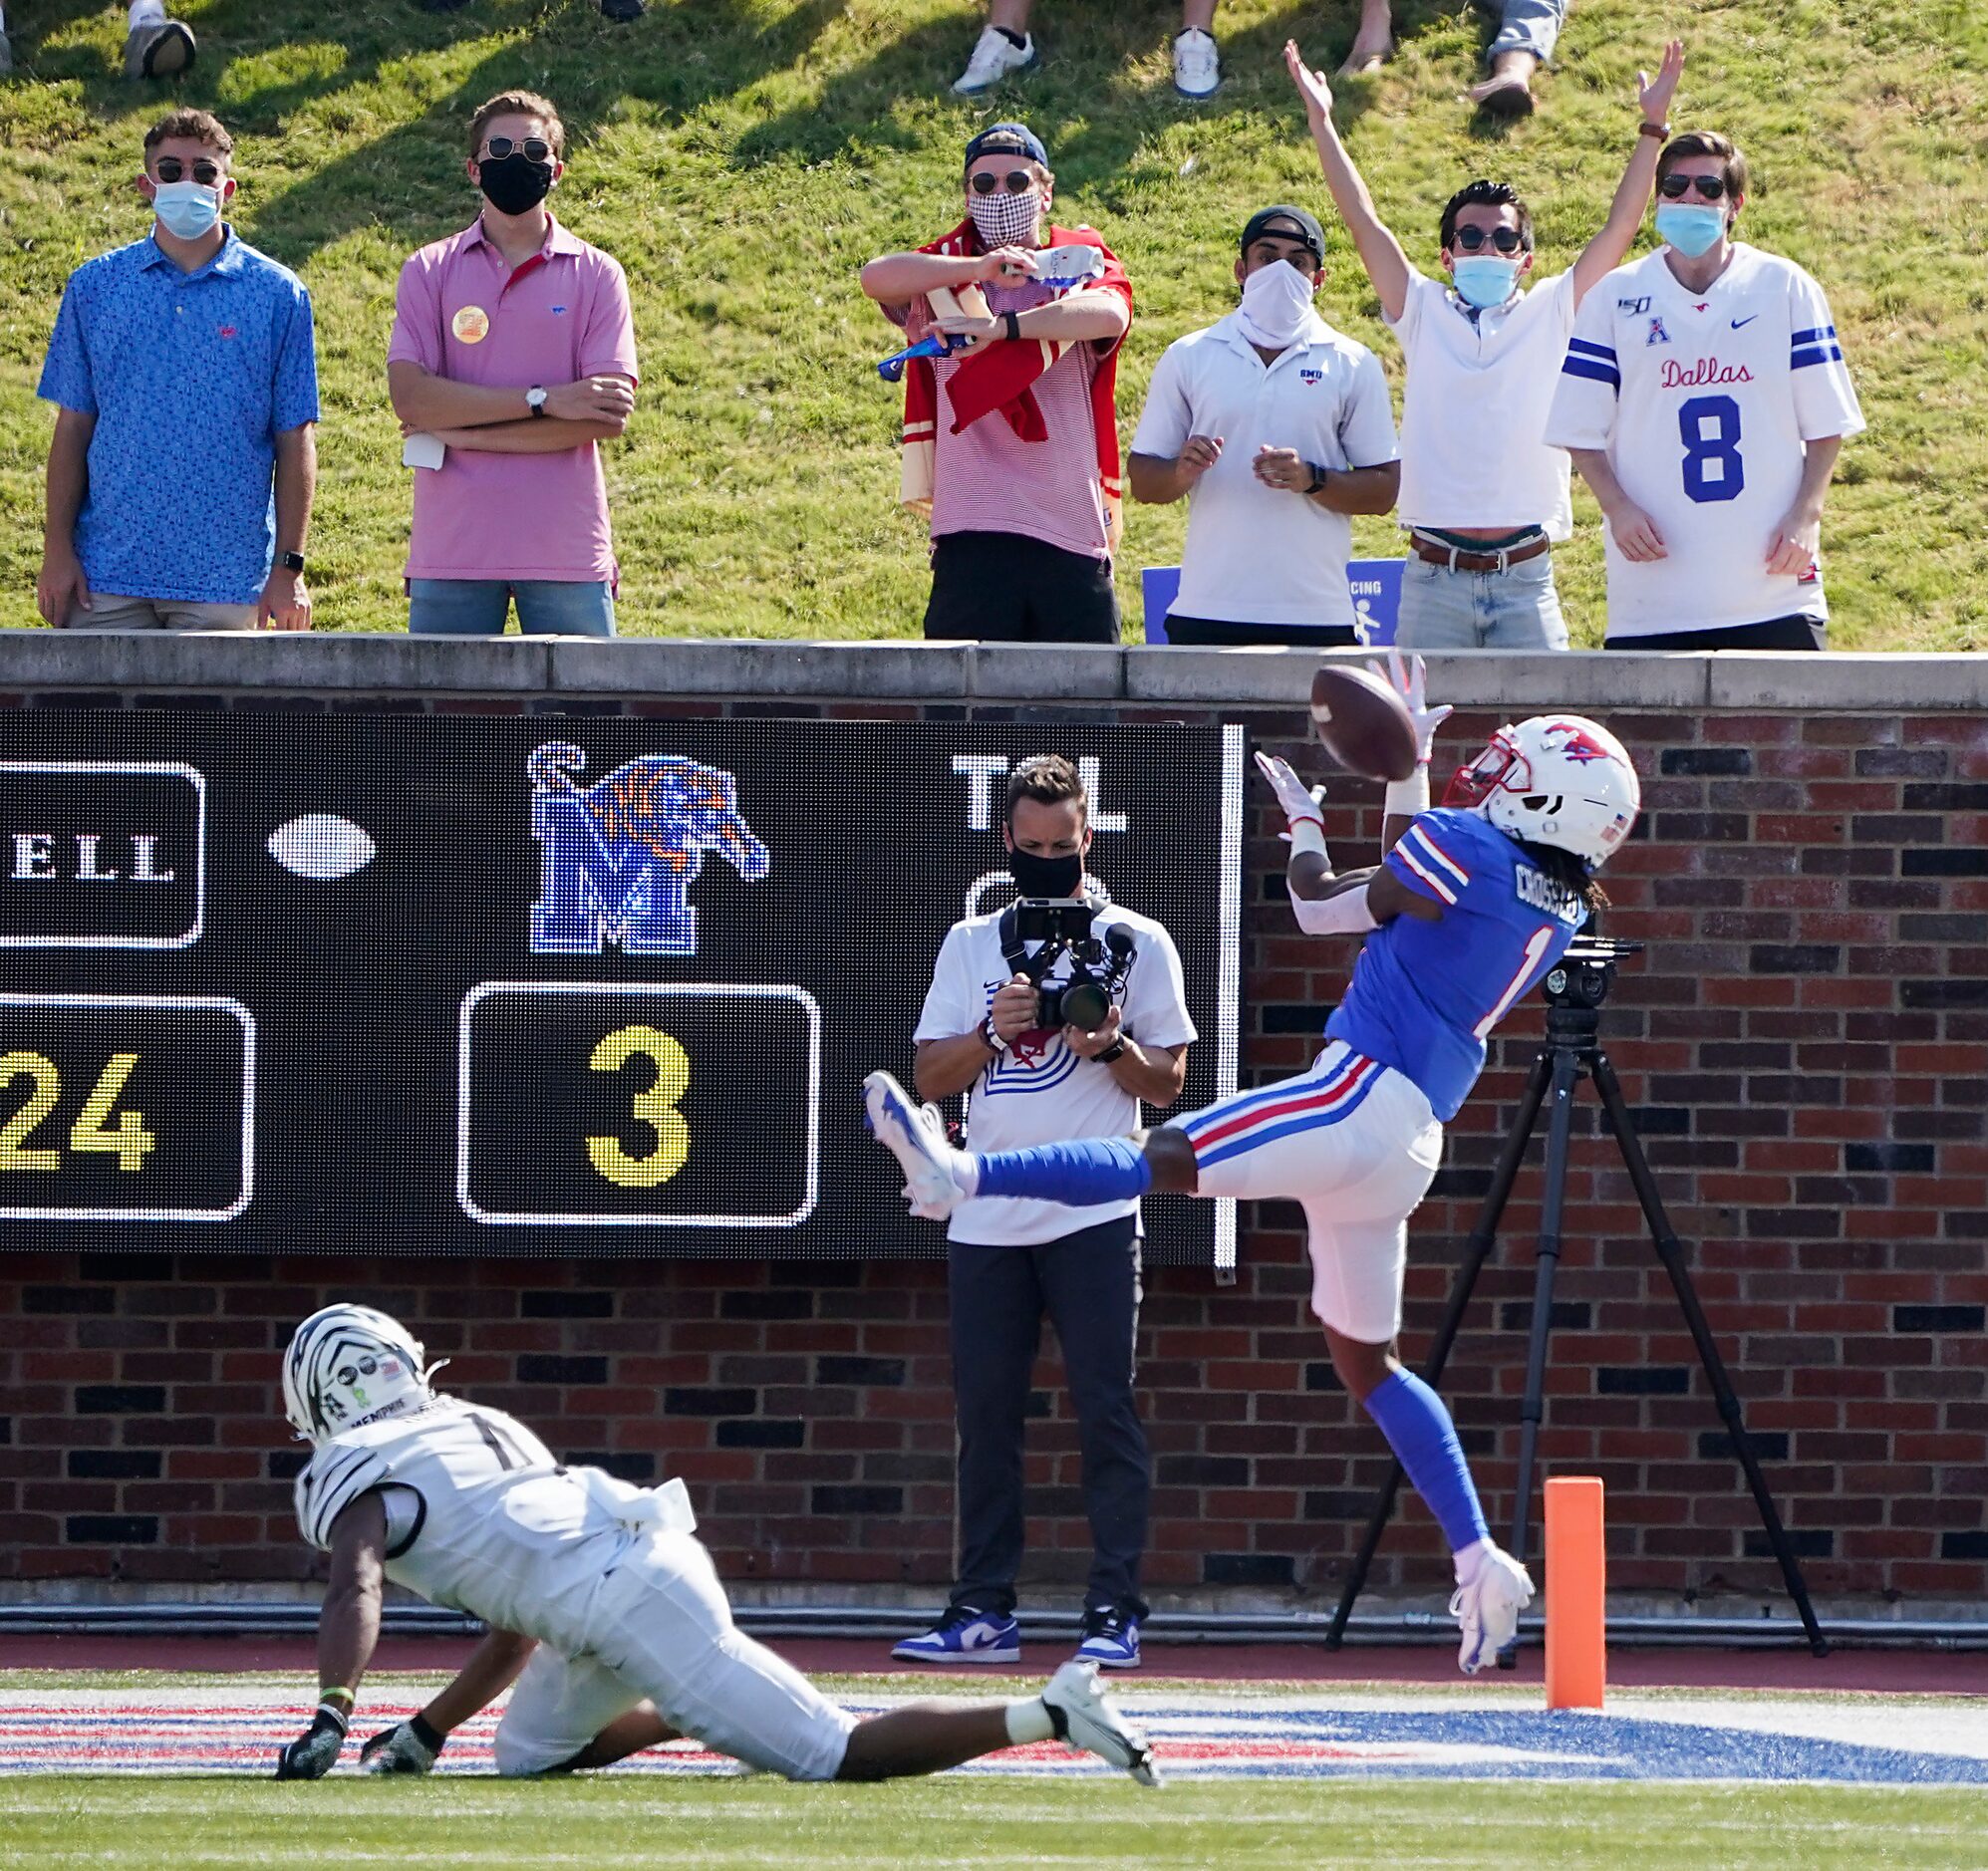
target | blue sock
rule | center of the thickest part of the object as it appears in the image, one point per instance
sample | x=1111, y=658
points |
x=1079, y=1174
x=1418, y=1429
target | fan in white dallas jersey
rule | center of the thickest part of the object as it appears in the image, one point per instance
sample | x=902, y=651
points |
x=1717, y=406
x=634, y=1638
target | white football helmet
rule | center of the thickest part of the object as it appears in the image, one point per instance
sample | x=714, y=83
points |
x=348, y=1365
x=1557, y=779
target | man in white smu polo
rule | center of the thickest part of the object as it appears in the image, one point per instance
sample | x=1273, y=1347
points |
x=1483, y=499
x=1705, y=400
x=1276, y=427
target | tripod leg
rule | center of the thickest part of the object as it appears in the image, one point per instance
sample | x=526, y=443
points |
x=1560, y=1127
x=1477, y=1250
x=1672, y=1256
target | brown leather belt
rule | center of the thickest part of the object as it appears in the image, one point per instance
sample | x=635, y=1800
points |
x=1458, y=560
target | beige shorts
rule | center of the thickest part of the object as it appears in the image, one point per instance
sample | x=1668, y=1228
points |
x=1356, y=1145
x=107, y=612
x=661, y=1632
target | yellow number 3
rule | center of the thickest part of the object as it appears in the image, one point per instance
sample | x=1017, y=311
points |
x=655, y=1107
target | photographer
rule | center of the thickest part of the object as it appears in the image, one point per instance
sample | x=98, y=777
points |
x=1055, y=1036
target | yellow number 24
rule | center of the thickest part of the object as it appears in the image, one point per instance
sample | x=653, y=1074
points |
x=655, y=1107
x=128, y=1140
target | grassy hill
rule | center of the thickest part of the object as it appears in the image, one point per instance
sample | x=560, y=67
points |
x=742, y=158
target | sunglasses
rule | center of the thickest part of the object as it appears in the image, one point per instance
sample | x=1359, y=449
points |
x=535, y=149
x=1504, y=239
x=171, y=170
x=1675, y=188
x=1016, y=181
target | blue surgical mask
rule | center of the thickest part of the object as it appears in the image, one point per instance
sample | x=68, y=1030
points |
x=1483, y=280
x=186, y=209
x=1691, y=230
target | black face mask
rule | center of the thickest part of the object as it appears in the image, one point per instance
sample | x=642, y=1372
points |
x=516, y=183
x=1046, y=877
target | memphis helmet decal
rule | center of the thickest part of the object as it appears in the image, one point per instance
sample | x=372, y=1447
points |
x=618, y=858
x=346, y=1365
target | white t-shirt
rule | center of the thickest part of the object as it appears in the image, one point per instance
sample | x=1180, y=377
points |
x=1256, y=554
x=1039, y=1091
x=1474, y=408
x=1704, y=404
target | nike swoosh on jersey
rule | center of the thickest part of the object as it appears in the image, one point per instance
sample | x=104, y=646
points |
x=1737, y=323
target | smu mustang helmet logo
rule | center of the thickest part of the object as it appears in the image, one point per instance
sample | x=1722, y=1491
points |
x=618, y=857
x=1580, y=746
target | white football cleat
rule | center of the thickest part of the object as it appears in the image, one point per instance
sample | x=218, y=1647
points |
x=915, y=1134
x=1197, y=64
x=995, y=57
x=1488, y=1608
x=1082, y=1710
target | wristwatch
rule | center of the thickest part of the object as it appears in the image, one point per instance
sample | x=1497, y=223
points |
x=991, y=1039
x=534, y=399
x=1647, y=129
x=290, y=561
x=1014, y=324
x=1116, y=1050
x=1317, y=477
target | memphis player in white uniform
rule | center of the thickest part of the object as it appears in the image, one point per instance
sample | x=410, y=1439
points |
x=1704, y=398
x=596, y=1590
x=1471, y=904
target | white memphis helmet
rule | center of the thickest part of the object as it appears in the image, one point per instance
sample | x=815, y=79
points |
x=348, y=1365
x=1557, y=779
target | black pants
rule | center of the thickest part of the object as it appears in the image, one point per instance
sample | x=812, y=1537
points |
x=1214, y=632
x=1088, y=1283
x=1002, y=588
x=1780, y=633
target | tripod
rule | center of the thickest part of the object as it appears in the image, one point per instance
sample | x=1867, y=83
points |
x=1576, y=990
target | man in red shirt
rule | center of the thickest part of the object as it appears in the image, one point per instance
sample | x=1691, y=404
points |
x=1011, y=442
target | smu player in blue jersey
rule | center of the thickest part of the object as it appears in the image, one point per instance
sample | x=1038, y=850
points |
x=1470, y=905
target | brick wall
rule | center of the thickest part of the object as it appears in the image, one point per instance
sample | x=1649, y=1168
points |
x=1804, y=1049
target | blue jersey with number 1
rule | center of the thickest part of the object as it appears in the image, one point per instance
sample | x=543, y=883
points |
x=1425, y=996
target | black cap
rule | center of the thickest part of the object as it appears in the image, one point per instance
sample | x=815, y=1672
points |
x=1009, y=139
x=1296, y=225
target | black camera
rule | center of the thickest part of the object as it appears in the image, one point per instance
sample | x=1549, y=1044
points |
x=1098, y=969
x=1582, y=977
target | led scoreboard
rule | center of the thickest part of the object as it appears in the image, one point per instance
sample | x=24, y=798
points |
x=409, y=984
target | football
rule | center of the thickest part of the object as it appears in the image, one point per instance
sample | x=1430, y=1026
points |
x=1362, y=722
x=322, y=846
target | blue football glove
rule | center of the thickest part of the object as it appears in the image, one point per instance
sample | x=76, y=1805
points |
x=315, y=1752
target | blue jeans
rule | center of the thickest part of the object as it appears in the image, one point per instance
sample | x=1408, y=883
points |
x=476, y=606
x=1513, y=610
x=1530, y=26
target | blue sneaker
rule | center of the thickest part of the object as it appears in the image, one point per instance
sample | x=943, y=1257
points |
x=1111, y=1638
x=964, y=1635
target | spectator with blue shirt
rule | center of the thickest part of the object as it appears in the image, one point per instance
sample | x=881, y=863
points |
x=1468, y=908
x=186, y=353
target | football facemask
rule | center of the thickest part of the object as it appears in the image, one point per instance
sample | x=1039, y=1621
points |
x=348, y=1365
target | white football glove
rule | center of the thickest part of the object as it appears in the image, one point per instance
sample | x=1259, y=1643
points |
x=410, y=1747
x=1410, y=683
x=1297, y=801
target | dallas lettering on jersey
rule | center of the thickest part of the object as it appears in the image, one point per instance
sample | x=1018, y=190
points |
x=1706, y=370
x=1538, y=891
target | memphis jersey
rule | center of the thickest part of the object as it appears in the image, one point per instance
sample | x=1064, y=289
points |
x=481, y=1517
x=1704, y=404
x=1425, y=995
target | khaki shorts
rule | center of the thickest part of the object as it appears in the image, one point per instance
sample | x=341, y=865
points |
x=108, y=612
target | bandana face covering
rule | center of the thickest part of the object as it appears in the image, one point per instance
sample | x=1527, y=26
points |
x=1277, y=299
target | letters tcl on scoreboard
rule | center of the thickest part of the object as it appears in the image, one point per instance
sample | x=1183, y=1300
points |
x=459, y=984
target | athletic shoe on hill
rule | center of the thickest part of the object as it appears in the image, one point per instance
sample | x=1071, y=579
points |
x=1197, y=64
x=995, y=57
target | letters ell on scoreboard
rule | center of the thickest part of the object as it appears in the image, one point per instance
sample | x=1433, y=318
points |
x=410, y=984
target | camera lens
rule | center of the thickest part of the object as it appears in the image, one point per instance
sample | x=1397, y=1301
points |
x=1086, y=1006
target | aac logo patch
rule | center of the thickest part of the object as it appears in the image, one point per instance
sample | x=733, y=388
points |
x=1658, y=336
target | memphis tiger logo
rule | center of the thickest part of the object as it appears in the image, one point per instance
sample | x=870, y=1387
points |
x=618, y=858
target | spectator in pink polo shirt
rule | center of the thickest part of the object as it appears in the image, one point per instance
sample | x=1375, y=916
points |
x=514, y=351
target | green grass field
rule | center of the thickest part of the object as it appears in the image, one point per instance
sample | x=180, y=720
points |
x=743, y=156
x=701, y=1826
